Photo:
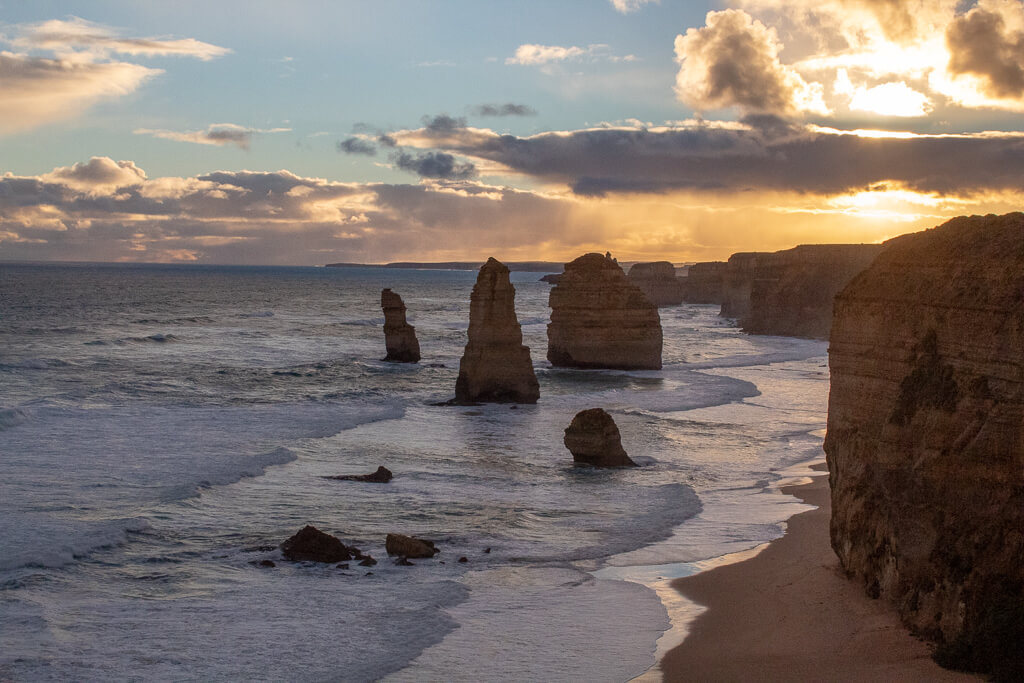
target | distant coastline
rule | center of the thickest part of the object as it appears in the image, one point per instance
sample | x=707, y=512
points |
x=522, y=266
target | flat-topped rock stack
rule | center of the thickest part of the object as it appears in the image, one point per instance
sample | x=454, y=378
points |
x=658, y=281
x=703, y=283
x=495, y=367
x=790, y=292
x=599, y=319
x=399, y=336
x=925, y=441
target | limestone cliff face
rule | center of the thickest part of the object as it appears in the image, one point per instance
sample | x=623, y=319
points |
x=399, y=336
x=925, y=437
x=495, y=366
x=790, y=292
x=703, y=283
x=658, y=281
x=599, y=319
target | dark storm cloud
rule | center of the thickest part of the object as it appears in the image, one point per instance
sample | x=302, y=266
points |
x=357, y=146
x=507, y=109
x=734, y=160
x=981, y=44
x=434, y=165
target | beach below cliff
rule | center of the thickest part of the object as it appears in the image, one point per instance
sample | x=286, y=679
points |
x=788, y=614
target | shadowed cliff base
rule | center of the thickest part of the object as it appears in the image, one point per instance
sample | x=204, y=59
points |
x=925, y=437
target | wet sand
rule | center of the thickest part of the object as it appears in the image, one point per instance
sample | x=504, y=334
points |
x=788, y=614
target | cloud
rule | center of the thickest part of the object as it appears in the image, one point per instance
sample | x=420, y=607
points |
x=76, y=33
x=219, y=134
x=539, y=55
x=507, y=109
x=443, y=124
x=38, y=90
x=99, y=174
x=982, y=44
x=356, y=145
x=627, y=6
x=734, y=61
x=437, y=165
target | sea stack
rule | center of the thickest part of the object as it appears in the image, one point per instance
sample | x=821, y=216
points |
x=925, y=443
x=593, y=439
x=399, y=336
x=495, y=367
x=599, y=319
x=658, y=281
x=703, y=283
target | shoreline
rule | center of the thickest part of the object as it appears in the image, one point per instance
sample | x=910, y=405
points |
x=787, y=613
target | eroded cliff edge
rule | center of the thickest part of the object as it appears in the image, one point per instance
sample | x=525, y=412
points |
x=925, y=441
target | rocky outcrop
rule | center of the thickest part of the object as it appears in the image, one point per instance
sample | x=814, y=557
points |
x=703, y=283
x=409, y=546
x=599, y=319
x=658, y=281
x=925, y=441
x=382, y=476
x=399, y=336
x=495, y=366
x=312, y=545
x=593, y=439
x=551, y=278
x=790, y=292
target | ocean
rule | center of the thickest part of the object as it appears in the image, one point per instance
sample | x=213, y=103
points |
x=163, y=428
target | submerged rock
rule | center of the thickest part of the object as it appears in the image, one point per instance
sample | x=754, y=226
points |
x=495, y=366
x=599, y=319
x=658, y=281
x=381, y=476
x=925, y=440
x=399, y=336
x=593, y=439
x=409, y=546
x=312, y=545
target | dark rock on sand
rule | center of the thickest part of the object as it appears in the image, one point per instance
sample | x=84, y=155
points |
x=399, y=336
x=593, y=439
x=312, y=545
x=409, y=546
x=381, y=476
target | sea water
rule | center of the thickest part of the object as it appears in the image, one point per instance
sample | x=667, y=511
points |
x=164, y=428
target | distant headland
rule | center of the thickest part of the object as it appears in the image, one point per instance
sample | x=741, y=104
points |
x=522, y=266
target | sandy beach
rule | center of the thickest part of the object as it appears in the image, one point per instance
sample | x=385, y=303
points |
x=788, y=614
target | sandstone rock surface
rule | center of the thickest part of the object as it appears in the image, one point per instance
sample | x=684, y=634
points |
x=409, y=546
x=599, y=319
x=593, y=439
x=791, y=292
x=925, y=443
x=703, y=283
x=658, y=281
x=312, y=545
x=495, y=366
x=399, y=336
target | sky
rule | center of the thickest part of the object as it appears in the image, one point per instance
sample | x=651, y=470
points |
x=318, y=131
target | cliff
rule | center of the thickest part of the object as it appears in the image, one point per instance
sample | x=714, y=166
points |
x=658, y=282
x=925, y=441
x=599, y=319
x=703, y=283
x=790, y=292
x=495, y=366
x=399, y=336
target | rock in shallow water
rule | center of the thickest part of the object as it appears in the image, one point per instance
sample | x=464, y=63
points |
x=409, y=546
x=312, y=545
x=382, y=476
x=399, y=336
x=593, y=439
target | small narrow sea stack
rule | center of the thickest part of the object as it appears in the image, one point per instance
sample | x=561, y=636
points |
x=599, y=319
x=495, y=366
x=658, y=281
x=925, y=441
x=399, y=336
x=593, y=439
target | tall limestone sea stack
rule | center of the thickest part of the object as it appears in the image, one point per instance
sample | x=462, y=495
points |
x=399, y=336
x=495, y=366
x=925, y=439
x=658, y=281
x=599, y=319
